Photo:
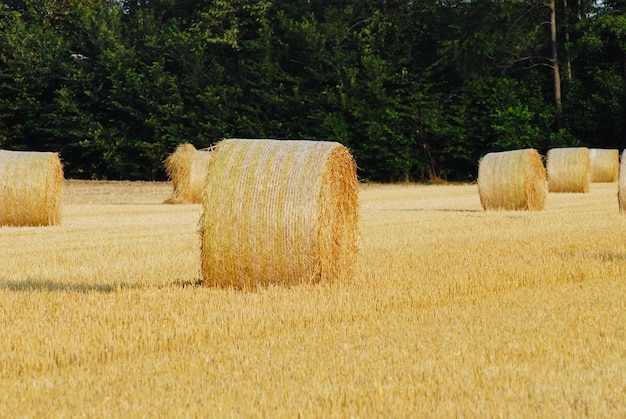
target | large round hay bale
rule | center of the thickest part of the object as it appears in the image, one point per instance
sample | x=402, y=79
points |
x=187, y=168
x=569, y=169
x=31, y=188
x=621, y=184
x=278, y=212
x=604, y=165
x=512, y=180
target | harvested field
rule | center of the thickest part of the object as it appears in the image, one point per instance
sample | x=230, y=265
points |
x=453, y=311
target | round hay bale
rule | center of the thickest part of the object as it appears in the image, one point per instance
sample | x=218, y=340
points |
x=569, y=169
x=31, y=188
x=187, y=168
x=621, y=184
x=278, y=212
x=512, y=180
x=604, y=165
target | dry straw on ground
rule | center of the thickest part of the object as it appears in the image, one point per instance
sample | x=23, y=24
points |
x=621, y=184
x=569, y=169
x=604, y=165
x=279, y=212
x=512, y=180
x=187, y=168
x=31, y=188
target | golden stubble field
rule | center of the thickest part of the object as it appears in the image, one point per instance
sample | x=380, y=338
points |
x=454, y=312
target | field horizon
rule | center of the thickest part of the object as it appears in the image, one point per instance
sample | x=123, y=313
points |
x=453, y=311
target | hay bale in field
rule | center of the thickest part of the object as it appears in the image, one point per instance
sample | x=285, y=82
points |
x=621, y=184
x=279, y=212
x=604, y=165
x=31, y=188
x=187, y=168
x=569, y=169
x=512, y=180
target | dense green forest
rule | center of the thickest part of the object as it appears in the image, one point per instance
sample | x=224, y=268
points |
x=417, y=89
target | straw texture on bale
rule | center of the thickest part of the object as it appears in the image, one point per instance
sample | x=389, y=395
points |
x=569, y=169
x=31, y=188
x=621, y=184
x=187, y=168
x=512, y=180
x=279, y=212
x=604, y=165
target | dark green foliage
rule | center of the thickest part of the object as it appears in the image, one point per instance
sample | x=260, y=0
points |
x=418, y=90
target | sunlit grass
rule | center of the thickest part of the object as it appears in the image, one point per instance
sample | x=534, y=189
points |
x=454, y=312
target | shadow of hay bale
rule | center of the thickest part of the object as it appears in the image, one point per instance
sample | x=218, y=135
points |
x=30, y=285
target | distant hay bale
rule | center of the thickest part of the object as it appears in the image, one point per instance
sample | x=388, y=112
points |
x=569, y=169
x=279, y=212
x=604, y=165
x=621, y=184
x=31, y=188
x=187, y=168
x=512, y=180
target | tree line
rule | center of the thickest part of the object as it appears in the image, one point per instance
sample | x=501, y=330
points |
x=418, y=90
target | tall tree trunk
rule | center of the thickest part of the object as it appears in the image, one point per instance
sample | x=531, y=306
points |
x=555, y=66
x=566, y=27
